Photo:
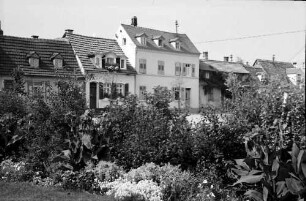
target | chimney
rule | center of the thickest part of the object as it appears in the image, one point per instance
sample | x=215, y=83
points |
x=134, y=21
x=70, y=31
x=205, y=56
x=226, y=59
x=34, y=36
x=294, y=64
x=1, y=32
x=273, y=58
x=231, y=57
x=247, y=63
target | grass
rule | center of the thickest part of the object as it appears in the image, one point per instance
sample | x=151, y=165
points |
x=11, y=191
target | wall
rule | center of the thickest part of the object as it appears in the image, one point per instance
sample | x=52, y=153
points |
x=204, y=97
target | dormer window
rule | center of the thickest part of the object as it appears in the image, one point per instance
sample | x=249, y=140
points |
x=159, y=40
x=33, y=59
x=176, y=43
x=142, y=38
x=57, y=60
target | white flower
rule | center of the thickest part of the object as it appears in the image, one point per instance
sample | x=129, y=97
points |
x=204, y=181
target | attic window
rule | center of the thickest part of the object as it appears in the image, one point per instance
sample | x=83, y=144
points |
x=57, y=60
x=177, y=45
x=142, y=38
x=33, y=59
x=159, y=40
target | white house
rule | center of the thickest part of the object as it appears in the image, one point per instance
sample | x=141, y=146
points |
x=109, y=75
x=162, y=59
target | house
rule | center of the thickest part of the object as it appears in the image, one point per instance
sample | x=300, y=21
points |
x=272, y=69
x=212, y=79
x=162, y=58
x=43, y=62
x=296, y=76
x=109, y=75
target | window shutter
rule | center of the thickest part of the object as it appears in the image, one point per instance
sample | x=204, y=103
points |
x=182, y=94
x=118, y=61
x=30, y=87
x=101, y=90
x=103, y=62
x=126, y=89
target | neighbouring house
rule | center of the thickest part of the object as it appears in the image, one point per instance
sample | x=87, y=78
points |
x=296, y=76
x=162, y=59
x=109, y=75
x=212, y=79
x=43, y=62
x=272, y=69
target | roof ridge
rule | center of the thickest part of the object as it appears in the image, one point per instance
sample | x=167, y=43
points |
x=273, y=61
x=92, y=37
x=154, y=29
x=35, y=39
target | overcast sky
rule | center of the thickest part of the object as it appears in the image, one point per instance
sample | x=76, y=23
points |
x=201, y=20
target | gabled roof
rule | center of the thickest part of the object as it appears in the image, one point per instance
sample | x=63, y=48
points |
x=158, y=37
x=56, y=56
x=85, y=45
x=14, y=52
x=141, y=34
x=273, y=68
x=222, y=66
x=187, y=46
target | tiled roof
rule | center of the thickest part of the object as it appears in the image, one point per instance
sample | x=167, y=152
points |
x=273, y=68
x=85, y=45
x=222, y=66
x=253, y=70
x=14, y=52
x=294, y=71
x=186, y=45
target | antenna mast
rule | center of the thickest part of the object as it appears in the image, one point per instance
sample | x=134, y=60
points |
x=176, y=26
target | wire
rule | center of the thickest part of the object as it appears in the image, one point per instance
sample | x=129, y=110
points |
x=247, y=37
x=297, y=53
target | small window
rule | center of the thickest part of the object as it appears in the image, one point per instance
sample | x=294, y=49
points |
x=184, y=72
x=177, y=68
x=160, y=42
x=142, y=66
x=120, y=90
x=142, y=91
x=110, y=60
x=34, y=62
x=193, y=70
x=207, y=75
x=161, y=67
x=176, y=93
x=123, y=41
x=143, y=40
x=58, y=63
x=122, y=64
x=177, y=45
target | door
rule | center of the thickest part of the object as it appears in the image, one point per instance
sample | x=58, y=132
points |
x=187, y=97
x=93, y=95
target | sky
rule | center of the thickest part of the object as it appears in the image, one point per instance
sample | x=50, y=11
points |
x=201, y=20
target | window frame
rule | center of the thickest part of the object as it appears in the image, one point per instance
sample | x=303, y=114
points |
x=160, y=67
x=143, y=66
x=178, y=68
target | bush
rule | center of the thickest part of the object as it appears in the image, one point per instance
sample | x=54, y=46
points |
x=15, y=171
x=80, y=180
x=107, y=171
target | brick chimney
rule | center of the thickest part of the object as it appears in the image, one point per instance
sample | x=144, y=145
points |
x=70, y=31
x=35, y=36
x=226, y=59
x=205, y=56
x=1, y=32
x=134, y=21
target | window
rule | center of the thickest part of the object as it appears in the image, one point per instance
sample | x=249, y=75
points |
x=193, y=70
x=209, y=93
x=123, y=41
x=160, y=42
x=40, y=88
x=107, y=89
x=176, y=93
x=58, y=63
x=8, y=85
x=142, y=91
x=142, y=66
x=119, y=89
x=207, y=75
x=298, y=78
x=97, y=61
x=161, y=67
x=122, y=64
x=143, y=40
x=110, y=60
x=185, y=66
x=177, y=45
x=34, y=62
x=177, y=68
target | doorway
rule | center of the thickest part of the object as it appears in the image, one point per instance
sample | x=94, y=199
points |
x=187, y=97
x=93, y=95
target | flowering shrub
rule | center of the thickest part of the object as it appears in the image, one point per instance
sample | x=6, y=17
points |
x=14, y=171
x=80, y=180
x=107, y=171
x=124, y=190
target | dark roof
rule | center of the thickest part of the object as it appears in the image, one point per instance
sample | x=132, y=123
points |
x=186, y=45
x=15, y=50
x=252, y=69
x=223, y=66
x=86, y=45
x=273, y=68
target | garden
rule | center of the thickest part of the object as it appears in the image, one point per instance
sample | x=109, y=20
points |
x=148, y=152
